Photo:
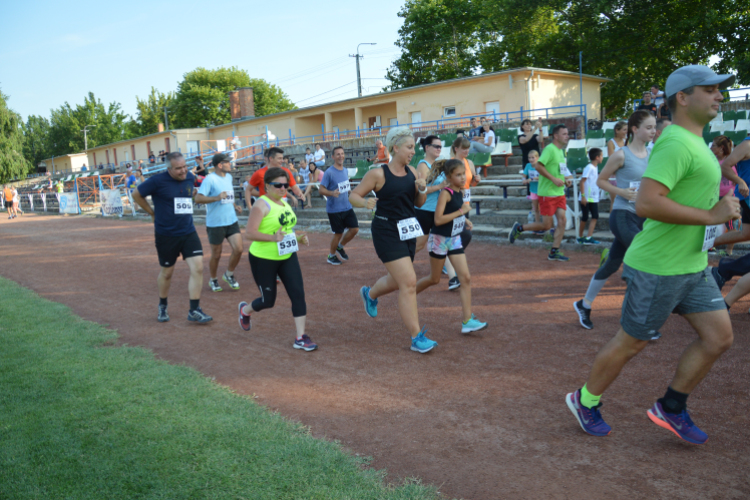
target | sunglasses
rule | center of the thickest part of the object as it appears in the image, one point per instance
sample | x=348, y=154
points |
x=279, y=185
x=436, y=146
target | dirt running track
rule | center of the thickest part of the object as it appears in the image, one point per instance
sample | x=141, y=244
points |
x=482, y=416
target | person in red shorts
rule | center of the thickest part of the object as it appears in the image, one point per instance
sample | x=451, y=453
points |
x=553, y=177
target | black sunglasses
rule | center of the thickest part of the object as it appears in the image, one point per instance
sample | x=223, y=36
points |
x=437, y=146
x=283, y=185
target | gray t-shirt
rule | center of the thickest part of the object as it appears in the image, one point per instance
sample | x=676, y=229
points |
x=631, y=171
x=334, y=179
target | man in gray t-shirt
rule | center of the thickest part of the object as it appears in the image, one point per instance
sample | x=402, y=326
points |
x=335, y=186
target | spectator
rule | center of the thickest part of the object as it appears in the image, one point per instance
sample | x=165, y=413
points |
x=475, y=130
x=83, y=168
x=382, y=155
x=617, y=143
x=151, y=158
x=589, y=197
x=8, y=195
x=162, y=156
x=460, y=133
x=319, y=156
x=529, y=139
x=647, y=104
x=130, y=180
x=532, y=180
x=140, y=164
x=139, y=177
x=484, y=144
x=101, y=166
x=245, y=185
x=661, y=124
x=315, y=176
x=664, y=112
x=657, y=96
x=309, y=157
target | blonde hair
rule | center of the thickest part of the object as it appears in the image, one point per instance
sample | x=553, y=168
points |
x=397, y=136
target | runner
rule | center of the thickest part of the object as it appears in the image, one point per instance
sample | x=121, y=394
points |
x=627, y=167
x=666, y=265
x=8, y=193
x=217, y=193
x=257, y=187
x=432, y=146
x=172, y=194
x=273, y=252
x=532, y=180
x=553, y=177
x=394, y=231
x=341, y=216
x=445, y=236
x=721, y=147
x=740, y=157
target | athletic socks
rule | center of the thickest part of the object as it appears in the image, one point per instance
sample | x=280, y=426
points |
x=589, y=400
x=673, y=401
x=194, y=304
x=330, y=256
x=595, y=286
x=339, y=247
x=229, y=273
x=162, y=301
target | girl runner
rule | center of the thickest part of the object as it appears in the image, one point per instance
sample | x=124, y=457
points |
x=627, y=166
x=432, y=146
x=273, y=253
x=445, y=237
x=532, y=180
x=394, y=231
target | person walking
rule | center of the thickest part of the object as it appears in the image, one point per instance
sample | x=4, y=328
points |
x=172, y=194
x=344, y=224
x=666, y=265
x=394, y=231
x=273, y=252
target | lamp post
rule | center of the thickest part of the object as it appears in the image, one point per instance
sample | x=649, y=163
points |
x=85, y=137
x=359, y=80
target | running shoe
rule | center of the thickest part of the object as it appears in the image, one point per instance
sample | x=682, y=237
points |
x=558, y=256
x=603, y=258
x=515, y=232
x=333, y=260
x=163, y=317
x=245, y=321
x=214, y=284
x=590, y=241
x=584, y=315
x=473, y=325
x=199, y=316
x=231, y=281
x=305, y=343
x=590, y=419
x=342, y=254
x=453, y=283
x=679, y=423
x=371, y=306
x=445, y=271
x=539, y=233
x=580, y=241
x=422, y=344
x=718, y=277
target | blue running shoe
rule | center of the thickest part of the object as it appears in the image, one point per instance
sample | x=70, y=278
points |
x=422, y=344
x=558, y=256
x=371, y=306
x=580, y=241
x=590, y=241
x=515, y=232
x=679, y=423
x=445, y=271
x=473, y=325
x=590, y=419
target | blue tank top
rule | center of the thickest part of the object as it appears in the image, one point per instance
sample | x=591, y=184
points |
x=431, y=202
x=743, y=171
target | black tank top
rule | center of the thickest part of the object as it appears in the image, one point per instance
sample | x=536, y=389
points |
x=453, y=205
x=396, y=197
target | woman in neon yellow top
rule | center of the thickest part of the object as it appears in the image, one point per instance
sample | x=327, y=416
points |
x=273, y=253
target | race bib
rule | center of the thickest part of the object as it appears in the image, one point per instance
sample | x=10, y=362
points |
x=709, y=237
x=229, y=198
x=344, y=187
x=183, y=206
x=635, y=185
x=564, y=170
x=467, y=195
x=408, y=229
x=458, y=225
x=533, y=175
x=288, y=244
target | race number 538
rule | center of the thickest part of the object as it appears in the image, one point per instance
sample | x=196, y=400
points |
x=288, y=244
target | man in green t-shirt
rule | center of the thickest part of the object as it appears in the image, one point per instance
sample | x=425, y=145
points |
x=666, y=265
x=553, y=177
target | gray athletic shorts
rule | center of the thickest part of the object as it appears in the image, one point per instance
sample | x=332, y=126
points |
x=650, y=299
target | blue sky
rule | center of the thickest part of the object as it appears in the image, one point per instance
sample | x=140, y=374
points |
x=52, y=52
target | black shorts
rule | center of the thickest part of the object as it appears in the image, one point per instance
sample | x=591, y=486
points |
x=593, y=208
x=217, y=235
x=426, y=220
x=341, y=221
x=388, y=245
x=169, y=248
x=745, y=212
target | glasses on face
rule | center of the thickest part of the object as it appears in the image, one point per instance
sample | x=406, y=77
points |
x=279, y=185
x=437, y=146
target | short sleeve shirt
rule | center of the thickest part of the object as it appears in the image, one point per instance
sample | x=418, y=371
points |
x=552, y=157
x=682, y=162
x=332, y=179
x=489, y=138
x=530, y=172
x=219, y=213
x=163, y=190
x=319, y=155
x=591, y=190
x=648, y=107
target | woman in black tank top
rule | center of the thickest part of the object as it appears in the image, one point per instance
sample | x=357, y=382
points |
x=394, y=231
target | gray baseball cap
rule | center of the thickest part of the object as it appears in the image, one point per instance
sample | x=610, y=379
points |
x=687, y=76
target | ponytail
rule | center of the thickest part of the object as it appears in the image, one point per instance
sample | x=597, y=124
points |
x=436, y=170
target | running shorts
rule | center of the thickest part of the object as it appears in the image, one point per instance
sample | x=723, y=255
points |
x=589, y=207
x=388, y=245
x=217, y=235
x=548, y=205
x=439, y=246
x=169, y=248
x=341, y=221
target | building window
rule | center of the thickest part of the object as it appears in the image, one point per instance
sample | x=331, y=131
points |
x=449, y=111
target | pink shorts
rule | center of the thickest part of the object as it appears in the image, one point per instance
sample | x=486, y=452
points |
x=532, y=196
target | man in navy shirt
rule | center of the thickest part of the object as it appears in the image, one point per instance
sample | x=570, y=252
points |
x=335, y=185
x=172, y=194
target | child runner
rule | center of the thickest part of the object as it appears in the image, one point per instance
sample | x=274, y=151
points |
x=445, y=237
x=589, y=197
x=721, y=148
x=532, y=179
x=460, y=151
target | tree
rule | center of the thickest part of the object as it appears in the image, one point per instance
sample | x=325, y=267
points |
x=13, y=165
x=36, y=146
x=202, y=98
x=151, y=112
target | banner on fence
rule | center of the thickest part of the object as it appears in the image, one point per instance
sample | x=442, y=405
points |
x=44, y=201
x=68, y=203
x=111, y=202
x=31, y=203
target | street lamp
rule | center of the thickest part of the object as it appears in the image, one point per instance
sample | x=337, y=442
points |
x=359, y=80
x=85, y=137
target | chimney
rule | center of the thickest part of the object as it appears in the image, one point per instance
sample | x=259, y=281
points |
x=247, y=104
x=234, y=105
x=160, y=127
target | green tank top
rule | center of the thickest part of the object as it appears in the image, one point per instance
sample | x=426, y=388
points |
x=278, y=217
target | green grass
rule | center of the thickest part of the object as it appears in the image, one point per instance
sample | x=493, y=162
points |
x=82, y=418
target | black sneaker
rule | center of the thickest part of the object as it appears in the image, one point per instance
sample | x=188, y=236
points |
x=333, y=260
x=199, y=316
x=453, y=283
x=584, y=315
x=342, y=253
x=718, y=277
x=163, y=316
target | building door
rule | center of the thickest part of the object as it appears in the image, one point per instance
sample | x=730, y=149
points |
x=492, y=107
x=132, y=151
x=166, y=145
x=114, y=152
x=373, y=121
x=107, y=151
x=416, y=117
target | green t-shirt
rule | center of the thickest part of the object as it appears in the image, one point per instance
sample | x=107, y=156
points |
x=681, y=161
x=551, y=158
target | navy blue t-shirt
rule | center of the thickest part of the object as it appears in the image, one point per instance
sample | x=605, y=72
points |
x=163, y=190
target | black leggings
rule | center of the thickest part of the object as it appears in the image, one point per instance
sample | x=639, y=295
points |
x=624, y=224
x=465, y=238
x=265, y=272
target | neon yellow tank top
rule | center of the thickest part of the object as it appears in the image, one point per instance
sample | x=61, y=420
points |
x=278, y=217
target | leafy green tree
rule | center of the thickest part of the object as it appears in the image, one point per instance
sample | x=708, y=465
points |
x=202, y=97
x=36, y=145
x=151, y=112
x=13, y=165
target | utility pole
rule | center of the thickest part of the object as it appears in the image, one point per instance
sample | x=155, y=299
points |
x=85, y=137
x=358, y=56
x=166, y=120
